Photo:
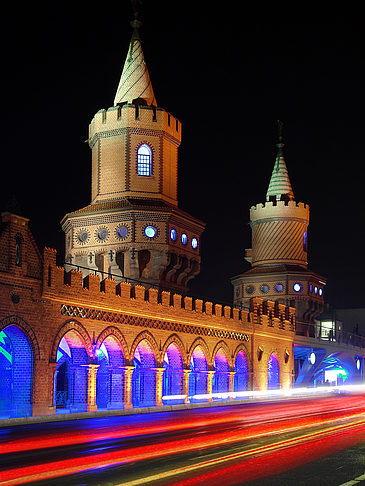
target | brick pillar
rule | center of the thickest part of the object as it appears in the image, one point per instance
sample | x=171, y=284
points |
x=260, y=378
x=186, y=385
x=43, y=388
x=231, y=383
x=128, y=371
x=210, y=384
x=159, y=377
x=91, y=387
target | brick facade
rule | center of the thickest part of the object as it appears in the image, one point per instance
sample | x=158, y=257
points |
x=46, y=304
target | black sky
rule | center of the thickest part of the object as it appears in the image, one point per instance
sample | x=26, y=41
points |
x=228, y=79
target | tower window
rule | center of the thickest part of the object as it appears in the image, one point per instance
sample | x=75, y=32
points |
x=144, y=160
x=305, y=241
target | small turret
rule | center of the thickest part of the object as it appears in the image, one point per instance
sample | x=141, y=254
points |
x=279, y=251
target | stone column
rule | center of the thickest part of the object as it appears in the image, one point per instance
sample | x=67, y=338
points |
x=210, y=384
x=231, y=383
x=43, y=388
x=186, y=385
x=159, y=377
x=91, y=387
x=128, y=371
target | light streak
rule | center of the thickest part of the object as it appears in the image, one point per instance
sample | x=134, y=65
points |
x=189, y=443
x=296, y=444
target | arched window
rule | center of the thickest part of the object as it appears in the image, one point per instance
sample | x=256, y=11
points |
x=144, y=160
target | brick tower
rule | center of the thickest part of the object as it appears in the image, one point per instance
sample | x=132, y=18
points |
x=133, y=227
x=279, y=252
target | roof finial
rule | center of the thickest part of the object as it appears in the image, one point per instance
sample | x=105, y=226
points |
x=279, y=186
x=280, y=144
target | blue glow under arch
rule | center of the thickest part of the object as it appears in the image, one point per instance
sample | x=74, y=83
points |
x=273, y=373
x=16, y=373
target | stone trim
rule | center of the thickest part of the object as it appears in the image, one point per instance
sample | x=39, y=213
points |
x=107, y=316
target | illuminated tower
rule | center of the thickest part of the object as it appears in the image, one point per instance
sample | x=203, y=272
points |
x=133, y=227
x=279, y=252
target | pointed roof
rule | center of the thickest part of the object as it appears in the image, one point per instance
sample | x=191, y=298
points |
x=279, y=183
x=135, y=81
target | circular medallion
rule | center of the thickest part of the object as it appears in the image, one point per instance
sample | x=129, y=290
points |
x=184, y=239
x=250, y=289
x=279, y=287
x=297, y=287
x=83, y=236
x=102, y=233
x=122, y=232
x=150, y=231
x=264, y=288
x=194, y=243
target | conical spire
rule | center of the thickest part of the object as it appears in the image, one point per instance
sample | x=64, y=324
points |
x=135, y=81
x=280, y=187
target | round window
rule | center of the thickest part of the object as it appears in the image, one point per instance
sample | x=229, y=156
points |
x=83, y=236
x=102, y=234
x=194, y=243
x=316, y=290
x=122, y=231
x=264, y=288
x=173, y=234
x=184, y=239
x=279, y=287
x=297, y=287
x=250, y=289
x=320, y=291
x=150, y=231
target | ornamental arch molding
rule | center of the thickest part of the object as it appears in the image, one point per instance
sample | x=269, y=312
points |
x=224, y=346
x=200, y=342
x=174, y=339
x=118, y=336
x=26, y=328
x=145, y=335
x=72, y=325
x=242, y=347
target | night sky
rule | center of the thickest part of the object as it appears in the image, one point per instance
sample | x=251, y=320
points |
x=227, y=79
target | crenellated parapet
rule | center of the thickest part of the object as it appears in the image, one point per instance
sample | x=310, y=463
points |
x=117, y=119
x=90, y=294
x=279, y=209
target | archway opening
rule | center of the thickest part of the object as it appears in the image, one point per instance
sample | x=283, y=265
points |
x=110, y=375
x=71, y=374
x=198, y=377
x=273, y=373
x=16, y=373
x=221, y=375
x=144, y=376
x=240, y=382
x=172, y=382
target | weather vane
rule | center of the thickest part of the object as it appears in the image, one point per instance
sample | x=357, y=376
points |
x=135, y=7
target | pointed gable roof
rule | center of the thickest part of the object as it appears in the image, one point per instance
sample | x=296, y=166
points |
x=279, y=183
x=135, y=81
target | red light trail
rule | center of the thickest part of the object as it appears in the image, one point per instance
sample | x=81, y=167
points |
x=228, y=425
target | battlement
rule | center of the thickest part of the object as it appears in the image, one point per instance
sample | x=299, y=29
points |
x=91, y=291
x=134, y=116
x=280, y=209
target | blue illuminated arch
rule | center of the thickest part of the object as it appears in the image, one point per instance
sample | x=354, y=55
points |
x=221, y=376
x=172, y=384
x=273, y=373
x=16, y=373
x=240, y=382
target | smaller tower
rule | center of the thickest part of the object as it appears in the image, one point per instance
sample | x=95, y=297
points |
x=279, y=251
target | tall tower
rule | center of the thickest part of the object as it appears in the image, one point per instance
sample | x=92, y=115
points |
x=133, y=227
x=279, y=252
